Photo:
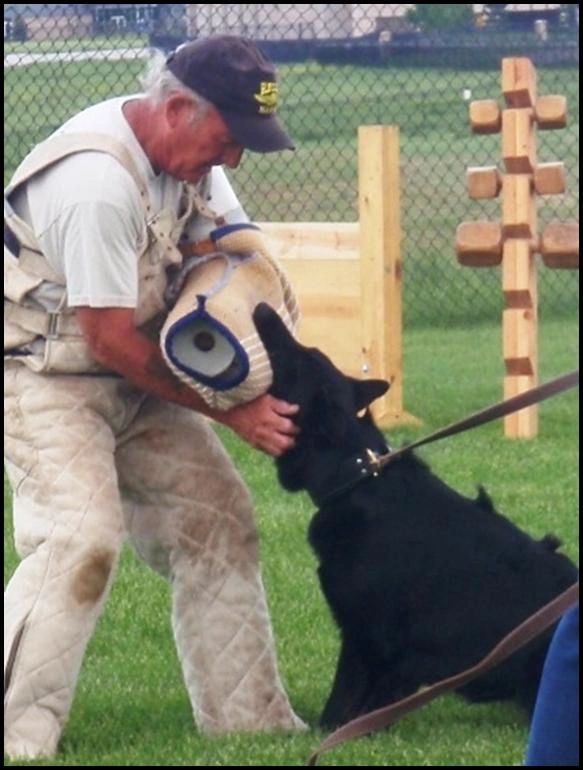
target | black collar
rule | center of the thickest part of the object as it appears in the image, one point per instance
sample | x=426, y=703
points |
x=350, y=472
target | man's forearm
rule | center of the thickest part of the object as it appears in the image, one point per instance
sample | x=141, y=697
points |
x=117, y=344
x=147, y=369
x=133, y=355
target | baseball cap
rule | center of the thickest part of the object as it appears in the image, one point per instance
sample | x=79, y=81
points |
x=234, y=75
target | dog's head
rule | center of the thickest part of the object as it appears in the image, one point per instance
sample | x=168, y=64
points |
x=329, y=400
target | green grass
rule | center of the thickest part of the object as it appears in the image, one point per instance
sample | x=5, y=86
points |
x=131, y=708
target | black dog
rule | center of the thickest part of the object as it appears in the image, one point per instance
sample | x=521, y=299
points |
x=422, y=582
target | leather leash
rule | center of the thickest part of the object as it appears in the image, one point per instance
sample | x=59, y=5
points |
x=494, y=412
x=369, y=464
x=388, y=715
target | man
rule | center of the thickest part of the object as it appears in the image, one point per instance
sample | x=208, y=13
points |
x=101, y=440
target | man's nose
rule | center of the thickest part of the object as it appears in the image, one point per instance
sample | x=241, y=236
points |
x=232, y=156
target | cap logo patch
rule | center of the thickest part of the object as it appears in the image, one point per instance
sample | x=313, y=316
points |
x=267, y=97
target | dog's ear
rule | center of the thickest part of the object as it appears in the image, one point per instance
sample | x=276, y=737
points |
x=274, y=334
x=367, y=391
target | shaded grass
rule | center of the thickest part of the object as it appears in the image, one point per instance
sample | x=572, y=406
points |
x=131, y=708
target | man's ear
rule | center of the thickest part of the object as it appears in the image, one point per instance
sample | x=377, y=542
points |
x=367, y=391
x=178, y=107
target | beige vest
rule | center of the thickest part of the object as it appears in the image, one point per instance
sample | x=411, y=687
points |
x=65, y=349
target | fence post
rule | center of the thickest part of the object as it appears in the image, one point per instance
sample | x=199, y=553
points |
x=381, y=266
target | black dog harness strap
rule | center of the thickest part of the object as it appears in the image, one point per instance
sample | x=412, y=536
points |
x=388, y=715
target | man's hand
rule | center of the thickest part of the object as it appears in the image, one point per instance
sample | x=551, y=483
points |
x=264, y=423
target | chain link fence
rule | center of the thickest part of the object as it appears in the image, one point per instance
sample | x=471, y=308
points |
x=341, y=66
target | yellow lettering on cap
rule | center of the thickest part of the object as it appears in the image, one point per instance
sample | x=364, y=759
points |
x=267, y=97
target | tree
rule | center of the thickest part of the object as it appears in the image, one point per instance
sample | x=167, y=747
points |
x=430, y=16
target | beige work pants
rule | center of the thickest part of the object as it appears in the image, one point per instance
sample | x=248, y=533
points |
x=90, y=461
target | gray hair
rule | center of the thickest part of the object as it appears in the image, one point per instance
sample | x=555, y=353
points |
x=158, y=83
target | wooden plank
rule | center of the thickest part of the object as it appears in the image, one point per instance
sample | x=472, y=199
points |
x=485, y=116
x=483, y=182
x=518, y=341
x=336, y=338
x=551, y=112
x=519, y=82
x=518, y=207
x=559, y=245
x=323, y=276
x=380, y=254
x=520, y=333
x=479, y=244
x=322, y=262
x=518, y=274
x=518, y=141
x=522, y=424
x=306, y=240
x=332, y=306
x=550, y=179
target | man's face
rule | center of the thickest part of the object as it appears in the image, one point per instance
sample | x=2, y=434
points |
x=196, y=143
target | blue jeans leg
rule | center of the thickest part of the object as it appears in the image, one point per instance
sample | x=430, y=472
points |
x=554, y=731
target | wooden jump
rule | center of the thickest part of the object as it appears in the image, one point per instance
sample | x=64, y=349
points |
x=348, y=275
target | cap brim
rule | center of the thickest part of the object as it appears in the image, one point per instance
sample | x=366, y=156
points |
x=258, y=133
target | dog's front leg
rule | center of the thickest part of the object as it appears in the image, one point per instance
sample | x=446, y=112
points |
x=351, y=689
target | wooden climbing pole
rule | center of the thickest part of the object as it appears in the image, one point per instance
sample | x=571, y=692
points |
x=514, y=242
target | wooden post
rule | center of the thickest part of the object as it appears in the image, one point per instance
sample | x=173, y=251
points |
x=482, y=244
x=381, y=266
